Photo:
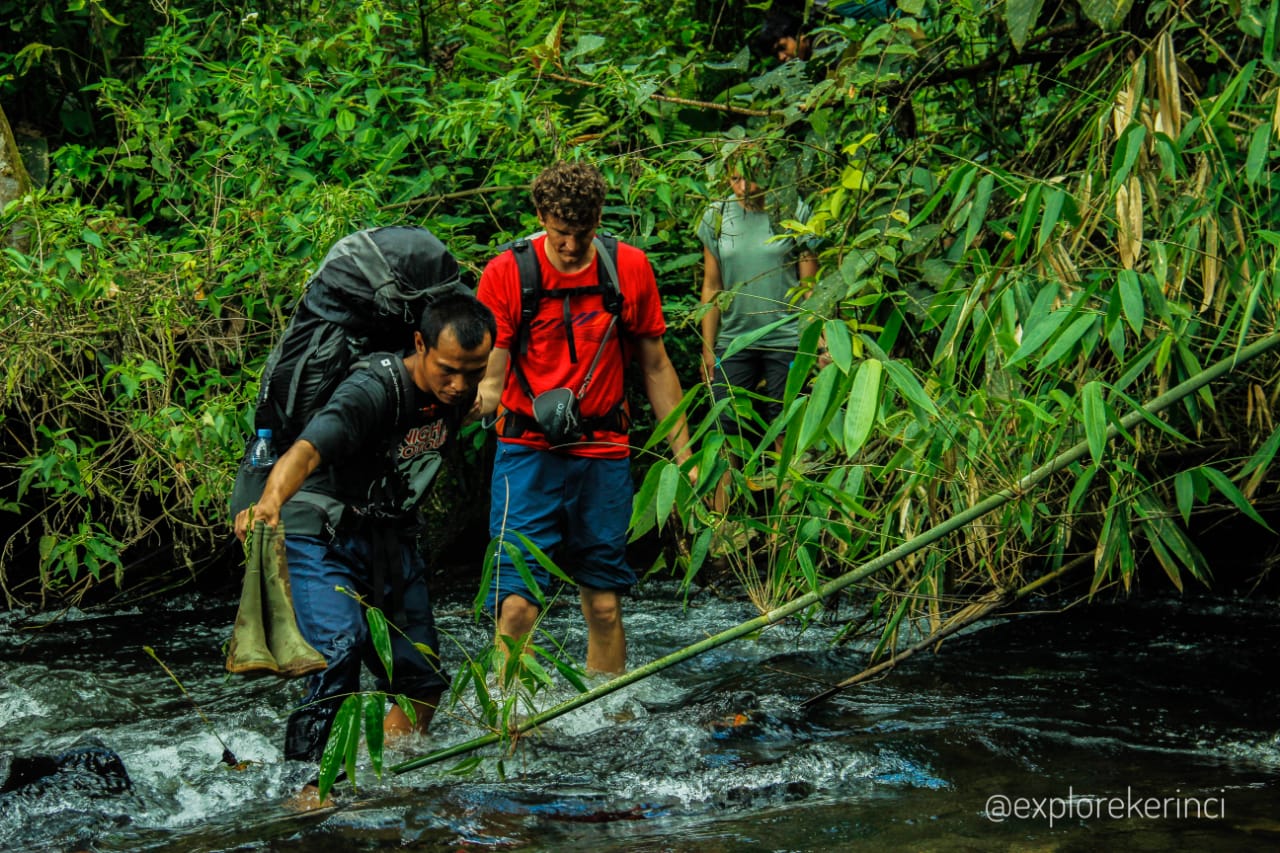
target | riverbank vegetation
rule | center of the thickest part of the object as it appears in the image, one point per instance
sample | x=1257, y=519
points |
x=1029, y=222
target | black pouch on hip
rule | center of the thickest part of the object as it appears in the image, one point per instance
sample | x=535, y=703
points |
x=556, y=412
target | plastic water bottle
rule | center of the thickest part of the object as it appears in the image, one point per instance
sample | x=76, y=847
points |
x=263, y=455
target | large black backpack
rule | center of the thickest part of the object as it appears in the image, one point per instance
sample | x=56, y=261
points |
x=367, y=296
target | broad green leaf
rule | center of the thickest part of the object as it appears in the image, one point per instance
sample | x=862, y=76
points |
x=411, y=712
x=535, y=669
x=642, y=516
x=570, y=674
x=1107, y=14
x=864, y=401
x=1037, y=334
x=978, y=212
x=1021, y=16
x=1081, y=488
x=1262, y=458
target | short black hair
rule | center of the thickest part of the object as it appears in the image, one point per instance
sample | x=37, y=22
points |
x=779, y=24
x=469, y=318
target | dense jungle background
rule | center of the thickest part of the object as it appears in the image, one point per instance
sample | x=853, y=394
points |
x=1033, y=216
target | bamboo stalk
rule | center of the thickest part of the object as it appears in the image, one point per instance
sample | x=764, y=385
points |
x=928, y=537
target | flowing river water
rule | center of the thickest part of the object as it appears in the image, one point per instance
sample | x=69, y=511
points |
x=1148, y=724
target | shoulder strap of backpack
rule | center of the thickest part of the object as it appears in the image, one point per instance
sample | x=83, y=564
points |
x=390, y=370
x=607, y=270
x=529, y=268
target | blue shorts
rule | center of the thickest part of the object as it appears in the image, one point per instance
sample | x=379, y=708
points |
x=576, y=509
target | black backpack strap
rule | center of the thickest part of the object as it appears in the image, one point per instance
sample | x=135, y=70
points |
x=607, y=270
x=530, y=290
x=390, y=369
x=529, y=268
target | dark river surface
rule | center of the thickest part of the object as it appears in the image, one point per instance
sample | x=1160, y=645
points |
x=1144, y=725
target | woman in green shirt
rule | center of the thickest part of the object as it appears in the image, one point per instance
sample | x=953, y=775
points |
x=751, y=267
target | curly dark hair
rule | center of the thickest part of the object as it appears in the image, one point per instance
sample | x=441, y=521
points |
x=572, y=192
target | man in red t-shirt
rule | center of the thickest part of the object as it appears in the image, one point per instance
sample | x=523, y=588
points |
x=572, y=500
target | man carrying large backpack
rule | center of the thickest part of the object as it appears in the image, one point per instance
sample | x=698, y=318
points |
x=567, y=328
x=348, y=489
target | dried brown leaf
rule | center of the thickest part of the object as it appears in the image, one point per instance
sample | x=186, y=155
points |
x=1209, y=262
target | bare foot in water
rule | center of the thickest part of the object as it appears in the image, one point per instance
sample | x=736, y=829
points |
x=308, y=799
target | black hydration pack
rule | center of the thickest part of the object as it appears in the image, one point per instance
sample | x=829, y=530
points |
x=368, y=296
x=555, y=410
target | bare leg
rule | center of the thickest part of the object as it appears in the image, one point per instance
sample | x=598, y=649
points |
x=516, y=619
x=396, y=724
x=606, y=642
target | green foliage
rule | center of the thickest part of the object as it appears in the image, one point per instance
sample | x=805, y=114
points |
x=1028, y=223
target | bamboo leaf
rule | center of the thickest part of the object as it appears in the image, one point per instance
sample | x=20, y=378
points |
x=805, y=358
x=978, y=211
x=539, y=555
x=909, y=387
x=1228, y=490
x=521, y=566
x=1027, y=221
x=818, y=409
x=1259, y=149
x=1081, y=488
x=742, y=342
x=839, y=344
x=1095, y=419
x=569, y=674
x=535, y=669
x=1131, y=300
x=345, y=729
x=1049, y=219
x=664, y=427
x=668, y=488
x=1262, y=458
x=1184, y=491
x=381, y=636
x=1037, y=332
x=1127, y=150
x=643, y=517
x=1068, y=339
x=374, y=707
x=864, y=401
